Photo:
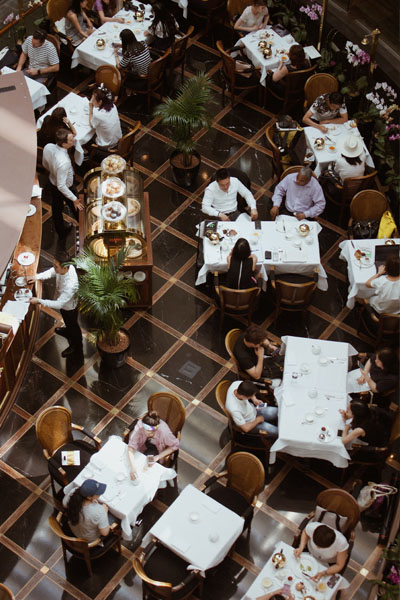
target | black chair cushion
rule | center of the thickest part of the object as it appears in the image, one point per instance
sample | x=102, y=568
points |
x=164, y=565
x=72, y=471
x=229, y=498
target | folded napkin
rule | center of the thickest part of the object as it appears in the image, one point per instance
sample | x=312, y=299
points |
x=295, y=255
x=212, y=253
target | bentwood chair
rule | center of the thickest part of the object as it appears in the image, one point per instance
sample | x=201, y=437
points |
x=230, y=340
x=80, y=547
x=124, y=147
x=294, y=169
x=230, y=76
x=110, y=76
x=347, y=191
x=293, y=292
x=170, y=409
x=153, y=82
x=384, y=329
x=165, y=575
x=234, y=9
x=5, y=593
x=209, y=11
x=367, y=205
x=317, y=84
x=292, y=98
x=178, y=51
x=235, y=302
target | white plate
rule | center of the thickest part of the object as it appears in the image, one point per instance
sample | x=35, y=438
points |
x=323, y=361
x=309, y=417
x=31, y=210
x=366, y=261
x=20, y=281
x=26, y=258
x=306, y=564
x=332, y=149
x=23, y=294
x=282, y=573
x=328, y=435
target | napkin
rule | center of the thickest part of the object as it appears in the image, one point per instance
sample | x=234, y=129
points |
x=16, y=309
x=212, y=253
x=180, y=544
x=295, y=255
x=36, y=191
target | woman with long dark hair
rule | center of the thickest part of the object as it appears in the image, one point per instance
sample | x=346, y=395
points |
x=57, y=120
x=164, y=27
x=380, y=375
x=365, y=424
x=78, y=26
x=135, y=55
x=298, y=62
x=241, y=266
x=104, y=118
x=87, y=518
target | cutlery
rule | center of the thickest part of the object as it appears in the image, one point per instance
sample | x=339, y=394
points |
x=351, y=242
x=328, y=138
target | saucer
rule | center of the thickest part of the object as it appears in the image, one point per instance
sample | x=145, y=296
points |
x=309, y=417
x=266, y=583
x=194, y=517
x=313, y=393
x=31, y=210
x=23, y=294
x=309, y=240
x=20, y=281
x=305, y=368
x=323, y=361
x=213, y=537
x=316, y=349
x=26, y=258
x=319, y=411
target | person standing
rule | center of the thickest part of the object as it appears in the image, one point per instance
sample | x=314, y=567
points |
x=61, y=178
x=65, y=300
x=42, y=54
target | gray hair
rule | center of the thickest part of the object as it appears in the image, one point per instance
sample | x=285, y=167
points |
x=306, y=172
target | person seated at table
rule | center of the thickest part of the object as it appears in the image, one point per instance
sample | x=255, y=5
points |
x=42, y=55
x=327, y=108
x=303, y=196
x=370, y=425
x=87, y=518
x=327, y=545
x=379, y=374
x=78, y=26
x=220, y=197
x=247, y=411
x=106, y=10
x=153, y=437
x=351, y=163
x=298, y=62
x=386, y=284
x=257, y=356
x=253, y=18
x=163, y=29
x=276, y=595
x=241, y=266
x=57, y=120
x=104, y=118
x=135, y=57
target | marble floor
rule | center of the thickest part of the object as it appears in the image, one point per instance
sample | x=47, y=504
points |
x=182, y=325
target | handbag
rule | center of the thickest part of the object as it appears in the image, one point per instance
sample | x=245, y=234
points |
x=374, y=493
x=387, y=226
x=366, y=230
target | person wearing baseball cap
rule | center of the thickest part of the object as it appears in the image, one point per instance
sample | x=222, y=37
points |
x=87, y=518
x=351, y=162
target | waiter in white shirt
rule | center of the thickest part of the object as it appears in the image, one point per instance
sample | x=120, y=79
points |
x=220, y=197
x=65, y=300
x=61, y=178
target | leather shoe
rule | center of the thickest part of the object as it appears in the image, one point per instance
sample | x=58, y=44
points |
x=68, y=351
x=61, y=331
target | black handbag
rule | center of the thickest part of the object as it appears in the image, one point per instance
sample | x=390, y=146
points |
x=366, y=230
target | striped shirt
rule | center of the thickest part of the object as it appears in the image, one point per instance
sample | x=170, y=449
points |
x=42, y=57
x=137, y=63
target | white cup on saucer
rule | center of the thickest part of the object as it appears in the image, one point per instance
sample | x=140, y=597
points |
x=309, y=240
x=316, y=349
x=312, y=393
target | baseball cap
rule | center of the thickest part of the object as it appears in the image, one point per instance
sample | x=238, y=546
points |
x=91, y=487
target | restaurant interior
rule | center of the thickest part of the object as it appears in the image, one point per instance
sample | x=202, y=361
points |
x=178, y=338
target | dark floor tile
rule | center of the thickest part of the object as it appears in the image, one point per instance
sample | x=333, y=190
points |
x=27, y=457
x=211, y=400
x=51, y=353
x=110, y=384
x=327, y=238
x=264, y=205
x=217, y=146
x=199, y=60
x=228, y=581
x=212, y=336
x=333, y=300
x=219, y=32
x=134, y=108
x=51, y=242
x=127, y=588
x=256, y=164
x=14, y=492
x=339, y=335
x=114, y=427
x=337, y=263
x=244, y=121
x=84, y=412
x=137, y=405
x=171, y=253
x=201, y=436
x=295, y=496
x=293, y=324
x=150, y=152
x=169, y=308
x=14, y=571
x=187, y=220
x=364, y=544
x=46, y=322
x=12, y=423
x=163, y=200
x=150, y=341
x=157, y=282
x=48, y=590
x=204, y=174
x=37, y=387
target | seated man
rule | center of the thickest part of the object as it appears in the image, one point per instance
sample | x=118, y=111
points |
x=42, y=54
x=249, y=351
x=220, y=197
x=303, y=195
x=248, y=412
x=328, y=108
x=327, y=545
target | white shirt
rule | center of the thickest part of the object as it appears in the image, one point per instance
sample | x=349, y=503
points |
x=326, y=555
x=344, y=169
x=242, y=411
x=216, y=201
x=387, y=295
x=107, y=126
x=66, y=288
x=58, y=163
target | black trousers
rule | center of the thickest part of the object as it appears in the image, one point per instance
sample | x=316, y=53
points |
x=74, y=333
x=57, y=202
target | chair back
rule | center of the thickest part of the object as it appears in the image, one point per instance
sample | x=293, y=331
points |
x=245, y=474
x=57, y=9
x=55, y=41
x=170, y=409
x=74, y=544
x=156, y=71
x=342, y=503
x=236, y=7
x=293, y=84
x=111, y=77
x=276, y=155
x=228, y=65
x=293, y=296
x=388, y=328
x=294, y=169
x=178, y=48
x=160, y=589
x=237, y=301
x=53, y=428
x=220, y=393
x=5, y=593
x=368, y=205
x=352, y=185
x=126, y=143
x=230, y=340
x=317, y=84
x=395, y=432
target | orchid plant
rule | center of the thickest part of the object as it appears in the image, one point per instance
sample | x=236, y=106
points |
x=313, y=12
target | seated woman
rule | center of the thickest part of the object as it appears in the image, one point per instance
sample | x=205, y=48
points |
x=106, y=10
x=280, y=594
x=326, y=109
x=87, y=518
x=386, y=284
x=379, y=375
x=351, y=163
x=163, y=29
x=327, y=545
x=253, y=17
x=78, y=26
x=241, y=266
x=104, y=118
x=298, y=62
x=151, y=436
x=135, y=57
x=57, y=120
x=366, y=424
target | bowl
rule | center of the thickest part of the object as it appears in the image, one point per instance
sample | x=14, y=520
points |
x=284, y=58
x=390, y=243
x=304, y=229
x=321, y=586
x=266, y=582
x=279, y=560
x=332, y=148
x=100, y=43
x=262, y=44
x=214, y=238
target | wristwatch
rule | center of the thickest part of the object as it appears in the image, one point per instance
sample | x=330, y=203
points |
x=38, y=71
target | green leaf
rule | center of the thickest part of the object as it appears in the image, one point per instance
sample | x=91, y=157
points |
x=362, y=82
x=341, y=77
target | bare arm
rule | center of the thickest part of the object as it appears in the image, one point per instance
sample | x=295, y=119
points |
x=21, y=61
x=105, y=530
x=310, y=123
x=74, y=20
x=164, y=453
x=246, y=427
x=303, y=543
x=239, y=25
x=280, y=72
x=352, y=435
x=343, y=119
x=104, y=19
x=131, y=458
x=336, y=568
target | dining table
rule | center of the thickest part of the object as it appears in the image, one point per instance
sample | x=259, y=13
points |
x=197, y=528
x=331, y=147
x=126, y=498
x=89, y=55
x=313, y=390
x=290, y=251
x=77, y=109
x=292, y=572
x=37, y=90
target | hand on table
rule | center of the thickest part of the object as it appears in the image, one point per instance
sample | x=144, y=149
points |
x=300, y=216
x=318, y=576
x=133, y=475
x=361, y=379
x=223, y=217
x=34, y=301
x=119, y=20
x=254, y=214
x=30, y=279
x=323, y=128
x=274, y=212
x=297, y=552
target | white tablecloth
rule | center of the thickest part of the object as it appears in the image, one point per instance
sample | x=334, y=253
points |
x=336, y=133
x=125, y=499
x=77, y=109
x=279, y=577
x=272, y=237
x=87, y=53
x=191, y=539
x=358, y=274
x=37, y=91
x=296, y=435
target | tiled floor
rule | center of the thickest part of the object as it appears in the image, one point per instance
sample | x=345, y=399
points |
x=182, y=325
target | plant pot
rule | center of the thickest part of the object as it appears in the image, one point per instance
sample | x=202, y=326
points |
x=183, y=175
x=114, y=357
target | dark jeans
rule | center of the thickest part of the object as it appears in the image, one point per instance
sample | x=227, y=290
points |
x=74, y=333
x=57, y=202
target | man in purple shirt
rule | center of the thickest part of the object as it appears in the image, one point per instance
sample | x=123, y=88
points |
x=303, y=195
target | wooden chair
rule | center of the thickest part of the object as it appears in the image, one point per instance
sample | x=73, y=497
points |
x=230, y=340
x=124, y=147
x=57, y=10
x=165, y=575
x=293, y=291
x=245, y=480
x=235, y=302
x=178, y=51
x=234, y=8
x=292, y=98
x=111, y=77
x=293, y=169
x=229, y=73
x=317, y=84
x=170, y=409
x=5, y=593
x=276, y=155
x=54, y=429
x=350, y=187
x=209, y=11
x=367, y=205
x=383, y=328
x=258, y=441
x=371, y=456
x=51, y=79
x=154, y=80
x=81, y=548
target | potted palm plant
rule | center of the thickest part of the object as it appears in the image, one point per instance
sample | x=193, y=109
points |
x=103, y=292
x=185, y=115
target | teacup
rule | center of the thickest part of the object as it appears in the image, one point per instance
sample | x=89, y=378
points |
x=319, y=411
x=313, y=393
x=309, y=418
x=309, y=240
x=297, y=243
x=266, y=582
x=288, y=233
x=315, y=349
x=323, y=361
x=213, y=537
x=305, y=368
